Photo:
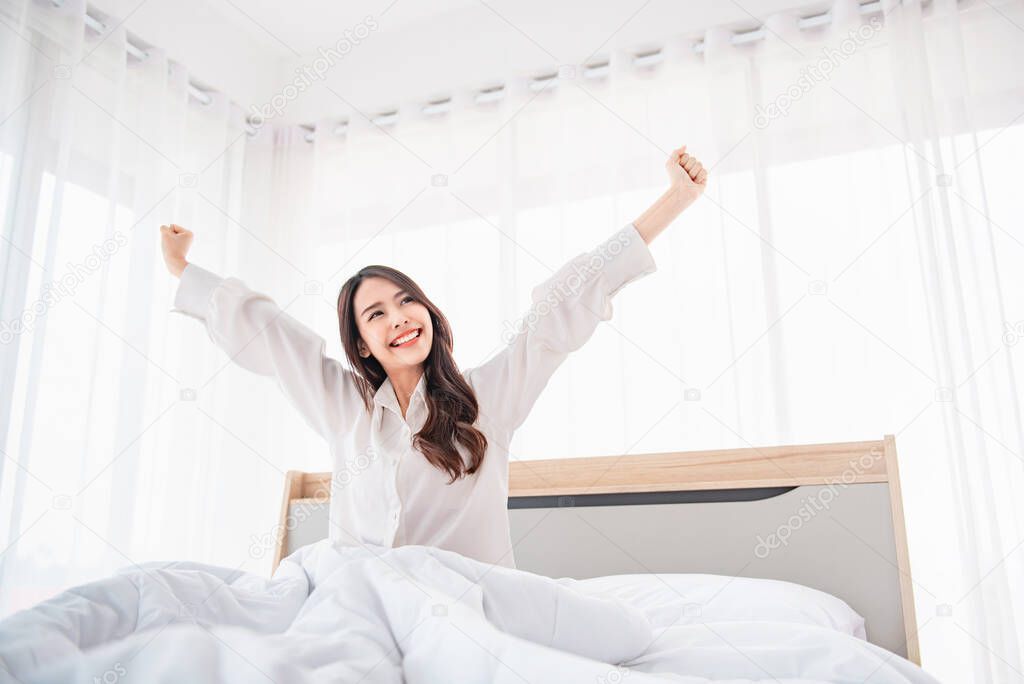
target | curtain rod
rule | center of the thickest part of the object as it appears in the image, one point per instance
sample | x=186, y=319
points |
x=647, y=58
x=804, y=23
x=140, y=53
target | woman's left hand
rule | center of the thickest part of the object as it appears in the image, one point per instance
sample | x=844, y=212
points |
x=686, y=173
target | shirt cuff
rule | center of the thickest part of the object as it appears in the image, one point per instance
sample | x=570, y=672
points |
x=195, y=287
x=625, y=258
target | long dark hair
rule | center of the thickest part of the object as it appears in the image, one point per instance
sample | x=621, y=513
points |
x=451, y=403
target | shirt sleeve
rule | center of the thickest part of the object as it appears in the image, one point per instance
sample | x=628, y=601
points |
x=259, y=336
x=566, y=310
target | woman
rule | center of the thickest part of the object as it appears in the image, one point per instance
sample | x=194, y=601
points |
x=420, y=449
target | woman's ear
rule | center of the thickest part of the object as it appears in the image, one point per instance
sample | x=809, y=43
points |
x=363, y=351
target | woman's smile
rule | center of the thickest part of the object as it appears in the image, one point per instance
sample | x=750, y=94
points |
x=408, y=339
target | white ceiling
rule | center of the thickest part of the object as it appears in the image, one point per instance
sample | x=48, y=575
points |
x=250, y=49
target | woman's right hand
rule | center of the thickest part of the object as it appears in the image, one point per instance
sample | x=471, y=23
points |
x=175, y=242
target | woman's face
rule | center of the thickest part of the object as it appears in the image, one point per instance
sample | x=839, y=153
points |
x=386, y=314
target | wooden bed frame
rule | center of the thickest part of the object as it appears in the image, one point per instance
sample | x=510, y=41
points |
x=665, y=507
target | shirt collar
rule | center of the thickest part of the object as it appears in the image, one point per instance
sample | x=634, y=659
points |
x=385, y=397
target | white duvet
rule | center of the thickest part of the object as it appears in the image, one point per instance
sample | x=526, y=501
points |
x=413, y=614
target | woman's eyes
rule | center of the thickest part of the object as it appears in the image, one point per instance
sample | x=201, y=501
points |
x=405, y=299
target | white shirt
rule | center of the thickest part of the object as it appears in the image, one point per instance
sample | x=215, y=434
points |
x=383, y=491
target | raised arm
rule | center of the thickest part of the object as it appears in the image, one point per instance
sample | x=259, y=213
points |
x=565, y=312
x=568, y=306
x=259, y=336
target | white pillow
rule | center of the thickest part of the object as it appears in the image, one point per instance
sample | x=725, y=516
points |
x=682, y=599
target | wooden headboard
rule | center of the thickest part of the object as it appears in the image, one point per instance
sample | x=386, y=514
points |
x=716, y=501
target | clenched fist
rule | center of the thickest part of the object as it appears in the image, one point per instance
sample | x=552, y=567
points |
x=686, y=173
x=175, y=242
x=688, y=179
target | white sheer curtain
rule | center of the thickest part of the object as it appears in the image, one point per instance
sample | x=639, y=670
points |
x=853, y=270
x=106, y=459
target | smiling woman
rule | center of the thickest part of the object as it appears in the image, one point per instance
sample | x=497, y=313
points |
x=429, y=441
x=392, y=337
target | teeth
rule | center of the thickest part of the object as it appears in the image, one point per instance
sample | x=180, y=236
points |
x=406, y=338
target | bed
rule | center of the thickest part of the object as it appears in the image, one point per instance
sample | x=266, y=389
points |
x=647, y=513
x=783, y=564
